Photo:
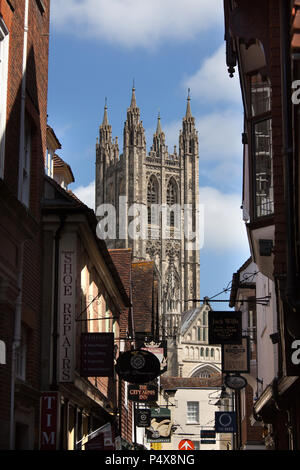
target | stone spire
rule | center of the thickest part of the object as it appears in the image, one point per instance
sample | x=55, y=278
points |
x=133, y=100
x=188, y=113
x=158, y=128
x=105, y=118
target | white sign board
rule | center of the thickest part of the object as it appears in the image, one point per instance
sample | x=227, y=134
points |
x=67, y=303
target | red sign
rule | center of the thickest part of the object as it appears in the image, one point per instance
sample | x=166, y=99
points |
x=49, y=420
x=186, y=444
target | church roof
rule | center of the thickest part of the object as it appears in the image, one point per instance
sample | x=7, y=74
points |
x=189, y=316
x=174, y=383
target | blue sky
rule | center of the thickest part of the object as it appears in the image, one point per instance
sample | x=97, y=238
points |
x=97, y=48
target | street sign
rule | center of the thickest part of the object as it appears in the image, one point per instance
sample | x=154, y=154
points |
x=236, y=357
x=161, y=424
x=225, y=421
x=49, y=420
x=97, y=355
x=235, y=382
x=186, y=444
x=225, y=327
x=143, y=417
x=137, y=366
x=142, y=393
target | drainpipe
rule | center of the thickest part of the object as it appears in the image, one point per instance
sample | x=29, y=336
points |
x=23, y=99
x=291, y=294
x=15, y=345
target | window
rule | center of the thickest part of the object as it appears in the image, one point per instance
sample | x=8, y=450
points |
x=4, y=38
x=49, y=163
x=262, y=154
x=171, y=200
x=152, y=198
x=192, y=412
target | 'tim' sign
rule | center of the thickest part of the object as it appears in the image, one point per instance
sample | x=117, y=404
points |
x=49, y=420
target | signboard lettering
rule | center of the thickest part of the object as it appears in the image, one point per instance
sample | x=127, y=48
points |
x=225, y=327
x=49, y=409
x=97, y=355
x=67, y=307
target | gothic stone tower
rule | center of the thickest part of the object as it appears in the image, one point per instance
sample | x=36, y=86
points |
x=148, y=179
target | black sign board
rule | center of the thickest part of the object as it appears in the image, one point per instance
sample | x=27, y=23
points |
x=142, y=393
x=225, y=421
x=208, y=434
x=225, y=327
x=137, y=366
x=143, y=418
x=97, y=355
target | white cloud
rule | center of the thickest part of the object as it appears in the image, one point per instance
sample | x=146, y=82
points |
x=132, y=23
x=212, y=84
x=224, y=229
x=220, y=135
x=86, y=194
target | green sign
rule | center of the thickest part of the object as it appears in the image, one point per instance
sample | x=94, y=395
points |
x=160, y=428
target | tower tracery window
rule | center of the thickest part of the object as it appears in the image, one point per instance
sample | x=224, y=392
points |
x=152, y=197
x=172, y=199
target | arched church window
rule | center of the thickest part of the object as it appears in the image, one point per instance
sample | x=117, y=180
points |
x=172, y=198
x=152, y=197
x=212, y=353
x=202, y=352
x=206, y=352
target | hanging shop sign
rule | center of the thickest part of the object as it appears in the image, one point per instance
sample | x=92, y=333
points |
x=142, y=393
x=225, y=327
x=235, y=382
x=207, y=436
x=160, y=428
x=49, y=420
x=159, y=349
x=225, y=422
x=97, y=355
x=142, y=417
x=137, y=366
x=236, y=357
x=67, y=305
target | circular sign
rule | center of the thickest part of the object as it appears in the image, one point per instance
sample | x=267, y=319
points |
x=186, y=444
x=225, y=420
x=236, y=382
x=138, y=366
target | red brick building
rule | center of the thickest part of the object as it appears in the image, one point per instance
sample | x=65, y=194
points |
x=262, y=38
x=24, y=36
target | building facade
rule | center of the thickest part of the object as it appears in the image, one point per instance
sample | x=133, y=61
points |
x=148, y=179
x=262, y=39
x=24, y=41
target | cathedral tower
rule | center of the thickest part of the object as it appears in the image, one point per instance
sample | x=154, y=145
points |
x=155, y=179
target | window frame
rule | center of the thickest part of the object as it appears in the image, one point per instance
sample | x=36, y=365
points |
x=188, y=411
x=253, y=119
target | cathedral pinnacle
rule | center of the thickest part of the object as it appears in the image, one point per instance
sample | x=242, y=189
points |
x=133, y=101
x=188, y=113
x=105, y=118
x=158, y=128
